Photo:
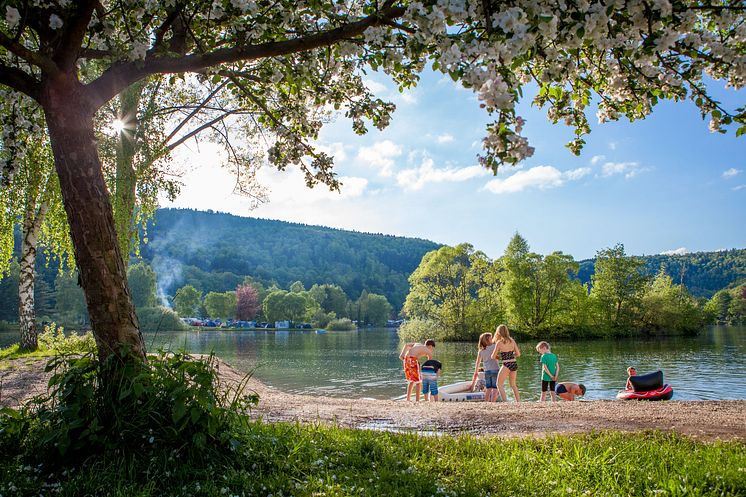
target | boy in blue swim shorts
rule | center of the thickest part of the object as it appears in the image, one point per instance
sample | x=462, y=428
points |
x=430, y=374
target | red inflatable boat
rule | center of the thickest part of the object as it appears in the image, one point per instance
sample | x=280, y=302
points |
x=663, y=393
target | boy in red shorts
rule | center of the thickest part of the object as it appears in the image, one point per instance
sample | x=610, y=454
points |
x=410, y=355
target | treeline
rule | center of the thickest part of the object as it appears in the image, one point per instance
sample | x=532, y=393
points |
x=458, y=292
x=321, y=305
x=703, y=273
x=728, y=306
x=215, y=252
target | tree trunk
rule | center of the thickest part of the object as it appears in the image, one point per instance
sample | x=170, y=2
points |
x=32, y=221
x=70, y=120
x=126, y=177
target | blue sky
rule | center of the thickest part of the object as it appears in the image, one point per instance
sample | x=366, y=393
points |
x=657, y=185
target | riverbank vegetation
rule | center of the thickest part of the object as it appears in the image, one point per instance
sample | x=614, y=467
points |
x=170, y=426
x=458, y=292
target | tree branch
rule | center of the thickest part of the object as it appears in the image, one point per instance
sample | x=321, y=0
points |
x=34, y=58
x=197, y=131
x=20, y=81
x=195, y=111
x=119, y=76
x=67, y=52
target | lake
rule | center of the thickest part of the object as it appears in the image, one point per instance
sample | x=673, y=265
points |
x=365, y=363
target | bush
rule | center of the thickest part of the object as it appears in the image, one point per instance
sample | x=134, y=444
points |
x=343, y=324
x=53, y=339
x=159, y=319
x=417, y=330
x=171, y=404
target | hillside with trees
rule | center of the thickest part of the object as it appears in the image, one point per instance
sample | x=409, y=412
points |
x=214, y=252
x=703, y=273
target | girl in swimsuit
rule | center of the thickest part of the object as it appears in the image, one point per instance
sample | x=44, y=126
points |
x=507, y=351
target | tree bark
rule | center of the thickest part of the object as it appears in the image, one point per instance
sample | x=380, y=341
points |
x=126, y=176
x=32, y=221
x=69, y=117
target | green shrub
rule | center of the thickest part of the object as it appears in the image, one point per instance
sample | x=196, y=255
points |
x=342, y=324
x=417, y=330
x=159, y=319
x=171, y=404
x=54, y=339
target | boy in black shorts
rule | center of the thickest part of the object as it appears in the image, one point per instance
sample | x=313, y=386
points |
x=549, y=371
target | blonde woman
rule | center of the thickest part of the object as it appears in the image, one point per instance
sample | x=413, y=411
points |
x=491, y=367
x=507, y=351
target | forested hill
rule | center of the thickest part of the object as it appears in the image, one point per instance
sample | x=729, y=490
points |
x=704, y=272
x=215, y=251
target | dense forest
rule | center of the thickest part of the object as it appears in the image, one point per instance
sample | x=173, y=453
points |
x=704, y=273
x=214, y=252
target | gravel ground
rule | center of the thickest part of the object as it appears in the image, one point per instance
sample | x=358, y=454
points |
x=706, y=420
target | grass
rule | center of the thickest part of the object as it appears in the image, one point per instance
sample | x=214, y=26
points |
x=164, y=430
x=293, y=460
x=52, y=341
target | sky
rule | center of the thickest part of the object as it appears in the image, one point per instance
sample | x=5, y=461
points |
x=660, y=185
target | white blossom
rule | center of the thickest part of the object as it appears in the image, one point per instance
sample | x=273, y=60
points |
x=12, y=16
x=55, y=22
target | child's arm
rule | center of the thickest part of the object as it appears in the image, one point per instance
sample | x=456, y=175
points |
x=404, y=350
x=517, y=350
x=495, y=353
x=545, y=369
x=556, y=374
x=476, y=372
x=628, y=386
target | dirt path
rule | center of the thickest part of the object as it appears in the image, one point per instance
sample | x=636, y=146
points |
x=705, y=420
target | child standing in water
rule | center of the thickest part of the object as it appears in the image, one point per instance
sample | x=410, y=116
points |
x=410, y=355
x=491, y=367
x=549, y=371
x=507, y=350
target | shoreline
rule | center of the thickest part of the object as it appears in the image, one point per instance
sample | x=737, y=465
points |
x=705, y=420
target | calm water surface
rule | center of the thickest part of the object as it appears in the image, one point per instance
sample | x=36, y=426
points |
x=365, y=363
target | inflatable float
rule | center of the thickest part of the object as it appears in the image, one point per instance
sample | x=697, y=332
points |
x=647, y=387
x=460, y=392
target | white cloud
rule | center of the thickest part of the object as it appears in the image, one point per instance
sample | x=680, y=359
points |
x=596, y=159
x=731, y=172
x=408, y=97
x=444, y=138
x=578, y=173
x=380, y=155
x=541, y=177
x=415, y=178
x=739, y=187
x=375, y=87
x=678, y=251
x=336, y=150
x=628, y=169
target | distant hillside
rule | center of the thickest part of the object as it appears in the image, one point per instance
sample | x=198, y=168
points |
x=704, y=272
x=218, y=250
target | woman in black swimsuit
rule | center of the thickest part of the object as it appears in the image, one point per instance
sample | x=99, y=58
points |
x=507, y=351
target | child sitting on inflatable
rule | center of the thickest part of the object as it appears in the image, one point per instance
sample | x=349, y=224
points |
x=631, y=371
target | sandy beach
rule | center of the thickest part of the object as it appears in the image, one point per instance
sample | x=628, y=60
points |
x=703, y=420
